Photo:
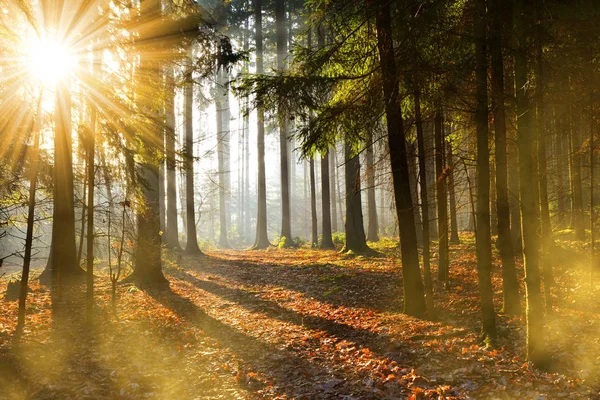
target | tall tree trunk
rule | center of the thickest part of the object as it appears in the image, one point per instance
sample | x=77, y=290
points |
x=63, y=263
x=286, y=223
x=428, y=137
x=413, y=181
x=372, y=232
x=332, y=187
x=326, y=242
x=147, y=260
x=510, y=285
x=172, y=230
x=222, y=156
x=424, y=202
x=24, y=284
x=536, y=347
x=262, y=239
x=546, y=233
x=191, y=246
x=313, y=206
x=91, y=173
x=414, y=295
x=483, y=233
x=577, y=203
x=561, y=176
x=442, y=200
x=454, y=239
x=356, y=240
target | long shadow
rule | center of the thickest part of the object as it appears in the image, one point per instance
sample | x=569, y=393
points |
x=288, y=371
x=375, y=342
x=377, y=290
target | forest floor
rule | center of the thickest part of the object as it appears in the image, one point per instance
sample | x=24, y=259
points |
x=298, y=324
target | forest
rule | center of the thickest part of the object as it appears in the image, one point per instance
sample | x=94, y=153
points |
x=299, y=199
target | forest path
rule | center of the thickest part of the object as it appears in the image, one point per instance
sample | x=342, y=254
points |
x=288, y=324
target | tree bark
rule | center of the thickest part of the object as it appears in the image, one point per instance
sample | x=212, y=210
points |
x=222, y=156
x=262, y=239
x=536, y=347
x=424, y=202
x=313, y=206
x=326, y=241
x=442, y=200
x=191, y=246
x=286, y=223
x=414, y=296
x=172, y=230
x=356, y=240
x=483, y=233
x=372, y=232
x=510, y=285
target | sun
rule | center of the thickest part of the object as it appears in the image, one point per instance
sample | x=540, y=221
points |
x=49, y=61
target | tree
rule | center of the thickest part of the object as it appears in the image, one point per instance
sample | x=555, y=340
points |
x=414, y=297
x=313, y=206
x=510, y=290
x=326, y=203
x=536, y=347
x=483, y=232
x=262, y=240
x=286, y=221
x=172, y=228
x=372, y=234
x=192, y=239
x=442, y=200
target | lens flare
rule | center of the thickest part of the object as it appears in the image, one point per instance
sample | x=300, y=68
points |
x=49, y=61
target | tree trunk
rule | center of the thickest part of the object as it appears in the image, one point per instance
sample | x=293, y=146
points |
x=326, y=241
x=222, y=156
x=24, y=284
x=286, y=223
x=510, y=285
x=147, y=260
x=332, y=188
x=546, y=233
x=424, y=202
x=356, y=240
x=63, y=255
x=454, y=239
x=413, y=181
x=372, y=232
x=483, y=233
x=191, y=246
x=414, y=296
x=577, y=203
x=428, y=138
x=536, y=347
x=91, y=148
x=172, y=230
x=313, y=206
x=442, y=200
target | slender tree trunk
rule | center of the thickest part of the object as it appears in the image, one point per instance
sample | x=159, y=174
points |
x=332, y=187
x=313, y=206
x=483, y=233
x=172, y=230
x=510, y=285
x=536, y=347
x=262, y=239
x=414, y=295
x=413, y=181
x=493, y=198
x=546, y=233
x=373, y=229
x=442, y=200
x=428, y=137
x=24, y=284
x=222, y=157
x=326, y=242
x=91, y=173
x=577, y=203
x=191, y=246
x=424, y=203
x=286, y=223
x=454, y=239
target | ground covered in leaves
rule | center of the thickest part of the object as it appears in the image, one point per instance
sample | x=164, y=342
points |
x=297, y=324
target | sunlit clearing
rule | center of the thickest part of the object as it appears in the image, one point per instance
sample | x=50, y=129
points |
x=49, y=61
